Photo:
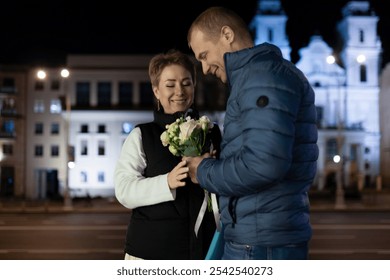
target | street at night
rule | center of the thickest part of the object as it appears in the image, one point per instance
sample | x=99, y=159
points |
x=341, y=235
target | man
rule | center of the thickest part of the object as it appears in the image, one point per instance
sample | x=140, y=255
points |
x=269, y=153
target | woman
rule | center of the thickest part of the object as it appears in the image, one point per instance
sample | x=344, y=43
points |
x=154, y=183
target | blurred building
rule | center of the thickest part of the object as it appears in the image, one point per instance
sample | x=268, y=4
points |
x=13, y=93
x=62, y=132
x=346, y=88
x=63, y=127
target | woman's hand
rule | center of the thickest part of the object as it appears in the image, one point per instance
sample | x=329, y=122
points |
x=177, y=175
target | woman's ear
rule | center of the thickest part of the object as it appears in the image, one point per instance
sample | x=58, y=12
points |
x=156, y=93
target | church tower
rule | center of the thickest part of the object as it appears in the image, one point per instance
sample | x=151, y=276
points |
x=361, y=51
x=347, y=94
x=269, y=25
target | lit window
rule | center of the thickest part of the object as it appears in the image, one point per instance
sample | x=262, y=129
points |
x=83, y=177
x=101, y=177
x=127, y=127
x=39, y=106
x=55, y=106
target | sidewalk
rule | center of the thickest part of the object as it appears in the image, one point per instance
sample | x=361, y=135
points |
x=80, y=205
x=370, y=200
x=367, y=200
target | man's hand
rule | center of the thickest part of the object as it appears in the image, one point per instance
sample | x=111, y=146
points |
x=193, y=163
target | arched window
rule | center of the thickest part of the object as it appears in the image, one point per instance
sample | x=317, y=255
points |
x=363, y=73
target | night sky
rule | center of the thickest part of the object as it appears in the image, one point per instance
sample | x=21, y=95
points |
x=43, y=32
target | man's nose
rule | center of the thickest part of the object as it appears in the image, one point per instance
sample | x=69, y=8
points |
x=205, y=68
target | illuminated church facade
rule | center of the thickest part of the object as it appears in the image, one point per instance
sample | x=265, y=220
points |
x=347, y=98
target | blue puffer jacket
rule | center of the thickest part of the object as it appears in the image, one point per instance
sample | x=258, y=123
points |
x=269, y=150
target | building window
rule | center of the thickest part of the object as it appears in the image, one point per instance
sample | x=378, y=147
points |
x=270, y=35
x=320, y=115
x=39, y=106
x=331, y=149
x=125, y=94
x=101, y=177
x=84, y=148
x=55, y=128
x=146, y=95
x=8, y=85
x=101, y=128
x=8, y=149
x=7, y=106
x=363, y=73
x=39, y=128
x=104, y=94
x=127, y=127
x=39, y=85
x=38, y=150
x=55, y=151
x=353, y=154
x=361, y=35
x=83, y=177
x=82, y=94
x=8, y=128
x=84, y=128
x=101, y=148
x=55, y=85
x=55, y=106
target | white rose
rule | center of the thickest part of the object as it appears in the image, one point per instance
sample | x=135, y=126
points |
x=173, y=150
x=186, y=129
x=205, y=123
x=164, y=138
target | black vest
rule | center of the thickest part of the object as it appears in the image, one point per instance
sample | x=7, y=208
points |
x=166, y=230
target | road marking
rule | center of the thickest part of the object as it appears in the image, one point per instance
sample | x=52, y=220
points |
x=62, y=251
x=349, y=251
x=111, y=237
x=323, y=237
x=351, y=226
x=59, y=227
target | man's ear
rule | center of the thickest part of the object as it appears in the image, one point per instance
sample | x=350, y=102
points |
x=227, y=33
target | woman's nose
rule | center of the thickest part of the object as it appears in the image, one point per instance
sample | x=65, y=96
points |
x=179, y=90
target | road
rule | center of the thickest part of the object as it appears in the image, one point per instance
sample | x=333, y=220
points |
x=350, y=236
x=72, y=236
x=100, y=236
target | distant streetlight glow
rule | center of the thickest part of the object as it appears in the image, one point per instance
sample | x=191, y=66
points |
x=361, y=58
x=65, y=73
x=330, y=59
x=336, y=158
x=71, y=164
x=41, y=74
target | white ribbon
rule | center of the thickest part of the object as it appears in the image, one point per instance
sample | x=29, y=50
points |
x=202, y=211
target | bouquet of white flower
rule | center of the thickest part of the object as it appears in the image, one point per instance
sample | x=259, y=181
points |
x=187, y=136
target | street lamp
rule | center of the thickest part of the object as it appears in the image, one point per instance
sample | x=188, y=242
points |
x=339, y=158
x=67, y=198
